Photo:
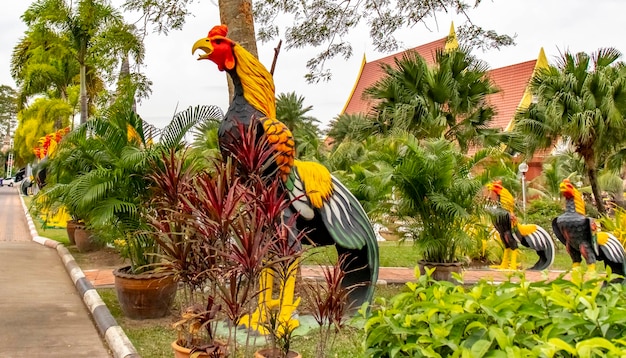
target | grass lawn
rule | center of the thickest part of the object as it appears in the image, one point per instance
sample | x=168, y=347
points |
x=405, y=254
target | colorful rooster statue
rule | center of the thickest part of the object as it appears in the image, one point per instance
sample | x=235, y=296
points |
x=512, y=232
x=326, y=211
x=580, y=236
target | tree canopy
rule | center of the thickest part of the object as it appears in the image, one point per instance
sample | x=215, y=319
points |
x=92, y=32
x=326, y=24
x=8, y=109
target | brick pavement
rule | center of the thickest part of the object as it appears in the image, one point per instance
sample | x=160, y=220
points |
x=387, y=275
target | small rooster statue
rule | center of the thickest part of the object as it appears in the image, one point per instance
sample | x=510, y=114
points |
x=512, y=232
x=326, y=211
x=580, y=236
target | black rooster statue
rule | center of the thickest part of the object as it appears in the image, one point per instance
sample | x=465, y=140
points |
x=512, y=232
x=580, y=236
x=326, y=211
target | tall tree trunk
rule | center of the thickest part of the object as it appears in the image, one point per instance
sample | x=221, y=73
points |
x=592, y=174
x=58, y=121
x=237, y=15
x=83, y=93
x=125, y=74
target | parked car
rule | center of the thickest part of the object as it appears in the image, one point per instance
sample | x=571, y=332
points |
x=7, y=181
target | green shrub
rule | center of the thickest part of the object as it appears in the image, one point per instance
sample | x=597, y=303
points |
x=517, y=318
x=542, y=211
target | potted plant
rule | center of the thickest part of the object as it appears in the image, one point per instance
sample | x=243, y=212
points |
x=438, y=193
x=197, y=329
x=110, y=188
x=137, y=239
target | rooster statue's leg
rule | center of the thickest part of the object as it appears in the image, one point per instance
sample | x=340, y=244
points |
x=513, y=262
x=577, y=274
x=590, y=258
x=505, y=260
x=281, y=310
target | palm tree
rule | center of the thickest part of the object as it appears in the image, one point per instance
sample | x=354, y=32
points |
x=101, y=171
x=349, y=127
x=366, y=168
x=42, y=64
x=582, y=100
x=92, y=30
x=447, y=100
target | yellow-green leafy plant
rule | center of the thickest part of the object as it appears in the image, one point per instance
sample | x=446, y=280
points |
x=516, y=318
x=616, y=225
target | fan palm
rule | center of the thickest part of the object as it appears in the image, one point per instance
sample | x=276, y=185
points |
x=291, y=111
x=350, y=127
x=437, y=190
x=447, y=100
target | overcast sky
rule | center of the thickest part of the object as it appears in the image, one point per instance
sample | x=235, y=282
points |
x=179, y=81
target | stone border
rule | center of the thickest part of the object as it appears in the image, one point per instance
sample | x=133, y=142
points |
x=114, y=335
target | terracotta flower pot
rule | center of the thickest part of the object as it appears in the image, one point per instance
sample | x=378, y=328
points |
x=274, y=353
x=71, y=229
x=182, y=352
x=85, y=240
x=443, y=271
x=145, y=295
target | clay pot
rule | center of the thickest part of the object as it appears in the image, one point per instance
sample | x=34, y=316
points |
x=182, y=352
x=86, y=241
x=443, y=271
x=145, y=295
x=71, y=228
x=274, y=353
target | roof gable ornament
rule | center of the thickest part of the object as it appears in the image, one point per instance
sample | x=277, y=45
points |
x=528, y=98
x=452, y=43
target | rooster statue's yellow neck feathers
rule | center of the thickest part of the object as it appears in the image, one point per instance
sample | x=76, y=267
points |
x=569, y=191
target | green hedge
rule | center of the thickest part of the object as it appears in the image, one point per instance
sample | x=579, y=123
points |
x=517, y=318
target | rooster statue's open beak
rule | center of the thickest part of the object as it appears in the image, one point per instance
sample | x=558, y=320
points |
x=203, y=44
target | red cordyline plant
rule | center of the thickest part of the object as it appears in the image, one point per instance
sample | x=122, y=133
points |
x=220, y=228
x=329, y=304
x=171, y=181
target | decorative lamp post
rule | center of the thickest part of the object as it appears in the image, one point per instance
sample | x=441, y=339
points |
x=523, y=168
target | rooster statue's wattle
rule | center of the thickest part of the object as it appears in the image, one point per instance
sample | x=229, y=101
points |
x=580, y=236
x=326, y=210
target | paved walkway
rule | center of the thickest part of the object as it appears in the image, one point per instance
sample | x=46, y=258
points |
x=42, y=313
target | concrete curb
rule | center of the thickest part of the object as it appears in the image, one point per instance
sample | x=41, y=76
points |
x=114, y=335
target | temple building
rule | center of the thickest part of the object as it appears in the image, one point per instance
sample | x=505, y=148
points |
x=512, y=82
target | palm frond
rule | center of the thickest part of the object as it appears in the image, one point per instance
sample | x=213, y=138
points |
x=174, y=133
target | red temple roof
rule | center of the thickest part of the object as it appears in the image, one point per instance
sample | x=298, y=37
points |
x=510, y=80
